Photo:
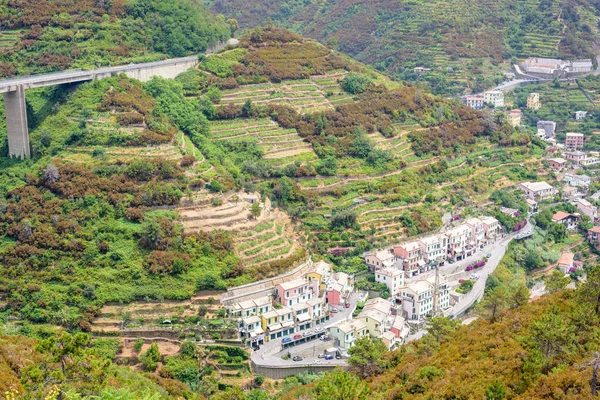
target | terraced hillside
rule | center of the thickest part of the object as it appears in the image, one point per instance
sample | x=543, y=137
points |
x=466, y=43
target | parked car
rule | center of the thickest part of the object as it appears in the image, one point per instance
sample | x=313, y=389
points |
x=474, y=277
x=307, y=333
x=322, y=355
x=323, y=337
x=319, y=329
x=338, y=356
x=334, y=310
x=286, y=340
x=298, y=336
x=329, y=357
x=489, y=255
x=297, y=358
x=347, y=305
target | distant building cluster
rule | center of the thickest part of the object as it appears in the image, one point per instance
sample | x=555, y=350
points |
x=555, y=68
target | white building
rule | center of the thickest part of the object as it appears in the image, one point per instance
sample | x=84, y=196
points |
x=495, y=97
x=537, y=190
x=345, y=333
x=417, y=298
x=580, y=115
x=577, y=180
x=248, y=308
x=436, y=248
x=377, y=260
x=588, y=209
x=393, y=278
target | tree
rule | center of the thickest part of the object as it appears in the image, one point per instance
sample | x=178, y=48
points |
x=355, y=83
x=590, y=290
x=558, y=232
x=440, y=327
x=495, y=391
x=532, y=260
x=493, y=304
x=151, y=358
x=552, y=336
x=365, y=356
x=519, y=296
x=255, y=210
x=556, y=282
x=341, y=385
x=202, y=310
x=233, y=25
x=51, y=173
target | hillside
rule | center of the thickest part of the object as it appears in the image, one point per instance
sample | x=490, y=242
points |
x=543, y=350
x=44, y=35
x=466, y=43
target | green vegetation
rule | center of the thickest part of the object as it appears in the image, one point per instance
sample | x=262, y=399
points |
x=89, y=33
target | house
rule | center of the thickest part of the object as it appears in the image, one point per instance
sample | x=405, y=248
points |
x=421, y=70
x=491, y=226
x=568, y=220
x=577, y=180
x=436, y=248
x=580, y=115
x=320, y=272
x=399, y=328
x=537, y=190
x=417, y=299
x=514, y=118
x=251, y=329
x=532, y=206
x=549, y=127
x=571, y=193
x=294, y=292
x=511, y=212
x=337, y=287
x=376, y=321
x=390, y=340
x=574, y=141
x=376, y=260
x=316, y=310
x=565, y=263
x=593, y=236
x=557, y=163
x=586, y=208
x=345, y=333
x=278, y=323
x=413, y=256
x=475, y=102
x=533, y=101
x=460, y=242
x=590, y=161
x=595, y=196
x=478, y=231
x=248, y=308
x=302, y=317
x=392, y=277
x=494, y=97
x=251, y=198
x=576, y=157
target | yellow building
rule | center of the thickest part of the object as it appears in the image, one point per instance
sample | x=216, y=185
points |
x=514, y=118
x=277, y=323
x=533, y=101
x=319, y=272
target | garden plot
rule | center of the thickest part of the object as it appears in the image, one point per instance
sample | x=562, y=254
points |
x=168, y=151
x=276, y=142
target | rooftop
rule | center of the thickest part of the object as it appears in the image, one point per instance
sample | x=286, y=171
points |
x=584, y=202
x=410, y=246
x=390, y=271
x=565, y=259
x=419, y=287
x=560, y=215
x=349, y=326
x=595, y=229
x=373, y=314
x=536, y=186
x=293, y=284
x=574, y=134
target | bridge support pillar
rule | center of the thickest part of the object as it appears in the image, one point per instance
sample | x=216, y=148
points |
x=16, y=123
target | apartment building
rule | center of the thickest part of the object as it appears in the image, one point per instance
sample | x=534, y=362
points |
x=587, y=208
x=417, y=299
x=393, y=278
x=379, y=259
x=413, y=256
x=436, y=248
x=574, y=141
x=514, y=118
x=537, y=190
x=460, y=242
x=533, y=101
x=294, y=292
x=248, y=308
x=494, y=97
x=577, y=180
x=475, y=102
x=345, y=333
x=278, y=323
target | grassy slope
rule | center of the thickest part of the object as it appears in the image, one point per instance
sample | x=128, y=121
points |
x=473, y=37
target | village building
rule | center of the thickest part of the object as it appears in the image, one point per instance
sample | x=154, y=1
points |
x=435, y=249
x=475, y=102
x=399, y=328
x=494, y=97
x=532, y=206
x=577, y=180
x=377, y=260
x=549, y=127
x=514, y=118
x=337, y=287
x=417, y=299
x=593, y=236
x=393, y=278
x=574, y=141
x=252, y=331
x=294, y=292
x=278, y=323
x=390, y=340
x=566, y=219
x=571, y=193
x=412, y=254
x=320, y=272
x=557, y=163
x=345, y=333
x=580, y=115
x=248, y=308
x=376, y=316
x=537, y=190
x=549, y=68
x=478, y=231
x=565, y=263
x=587, y=208
x=460, y=242
x=533, y=101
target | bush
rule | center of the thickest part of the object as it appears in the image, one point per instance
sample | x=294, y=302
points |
x=187, y=160
x=137, y=345
x=355, y=83
x=151, y=358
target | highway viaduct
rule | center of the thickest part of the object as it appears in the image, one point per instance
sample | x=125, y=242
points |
x=14, y=89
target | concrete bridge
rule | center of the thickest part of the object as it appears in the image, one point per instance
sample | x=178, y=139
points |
x=14, y=90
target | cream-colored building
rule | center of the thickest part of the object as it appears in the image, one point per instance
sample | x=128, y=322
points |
x=393, y=278
x=514, y=118
x=533, y=101
x=345, y=333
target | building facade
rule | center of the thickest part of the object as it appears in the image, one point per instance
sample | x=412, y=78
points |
x=574, y=141
x=533, y=101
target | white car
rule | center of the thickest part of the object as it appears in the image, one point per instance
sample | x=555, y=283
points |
x=474, y=277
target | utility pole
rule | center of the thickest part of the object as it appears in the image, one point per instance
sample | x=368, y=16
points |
x=436, y=292
x=594, y=380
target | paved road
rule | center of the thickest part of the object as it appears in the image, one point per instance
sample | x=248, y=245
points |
x=268, y=356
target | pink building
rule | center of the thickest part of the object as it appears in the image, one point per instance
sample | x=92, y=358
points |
x=574, y=141
x=294, y=292
x=335, y=294
x=413, y=254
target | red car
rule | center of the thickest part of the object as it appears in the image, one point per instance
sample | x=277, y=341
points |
x=296, y=337
x=347, y=305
